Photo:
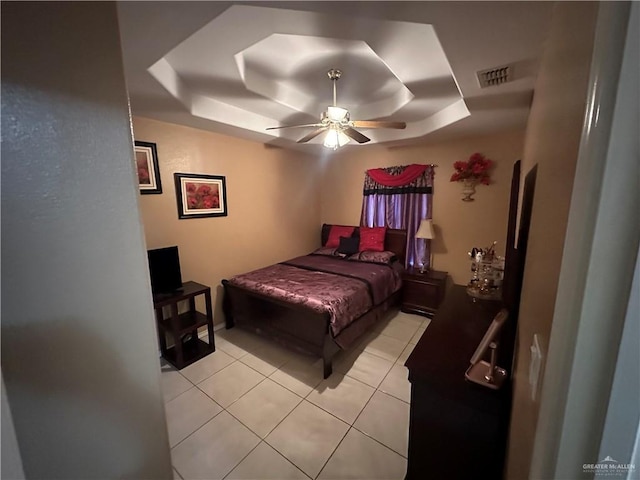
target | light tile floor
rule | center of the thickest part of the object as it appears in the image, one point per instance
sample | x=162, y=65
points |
x=253, y=410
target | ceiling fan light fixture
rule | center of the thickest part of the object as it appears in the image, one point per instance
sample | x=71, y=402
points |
x=337, y=114
x=337, y=123
x=335, y=139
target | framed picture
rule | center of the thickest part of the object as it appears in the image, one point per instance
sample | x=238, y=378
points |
x=147, y=167
x=200, y=196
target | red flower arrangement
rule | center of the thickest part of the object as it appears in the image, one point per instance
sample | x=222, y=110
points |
x=476, y=169
x=202, y=196
x=143, y=171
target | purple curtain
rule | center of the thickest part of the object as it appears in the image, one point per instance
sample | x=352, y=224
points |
x=401, y=207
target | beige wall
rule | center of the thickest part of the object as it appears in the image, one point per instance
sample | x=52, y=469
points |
x=272, y=201
x=552, y=141
x=459, y=225
x=277, y=196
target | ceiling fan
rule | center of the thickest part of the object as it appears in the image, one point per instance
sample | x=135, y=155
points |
x=337, y=122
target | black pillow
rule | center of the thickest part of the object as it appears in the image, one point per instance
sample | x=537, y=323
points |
x=349, y=245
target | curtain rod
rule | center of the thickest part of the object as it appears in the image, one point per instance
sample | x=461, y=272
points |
x=428, y=164
x=433, y=165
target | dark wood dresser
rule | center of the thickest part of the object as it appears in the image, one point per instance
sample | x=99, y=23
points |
x=457, y=429
x=422, y=293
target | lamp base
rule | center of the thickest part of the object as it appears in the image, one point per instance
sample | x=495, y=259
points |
x=482, y=374
x=424, y=268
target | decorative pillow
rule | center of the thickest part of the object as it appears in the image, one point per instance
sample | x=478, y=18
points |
x=325, y=251
x=372, y=238
x=385, y=257
x=336, y=232
x=349, y=245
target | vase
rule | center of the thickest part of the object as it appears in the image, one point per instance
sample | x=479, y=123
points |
x=468, y=190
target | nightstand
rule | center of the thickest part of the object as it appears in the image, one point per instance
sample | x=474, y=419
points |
x=422, y=293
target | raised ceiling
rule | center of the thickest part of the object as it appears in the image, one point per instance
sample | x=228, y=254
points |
x=240, y=67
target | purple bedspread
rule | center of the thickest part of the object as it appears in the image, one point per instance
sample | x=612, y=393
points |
x=344, y=289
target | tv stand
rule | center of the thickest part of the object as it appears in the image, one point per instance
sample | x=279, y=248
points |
x=164, y=295
x=183, y=327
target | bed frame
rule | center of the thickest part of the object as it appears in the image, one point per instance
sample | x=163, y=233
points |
x=298, y=327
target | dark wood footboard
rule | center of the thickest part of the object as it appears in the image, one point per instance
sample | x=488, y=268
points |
x=298, y=327
x=294, y=326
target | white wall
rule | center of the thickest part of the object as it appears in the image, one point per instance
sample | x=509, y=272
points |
x=623, y=414
x=79, y=349
x=598, y=263
x=10, y=460
x=622, y=425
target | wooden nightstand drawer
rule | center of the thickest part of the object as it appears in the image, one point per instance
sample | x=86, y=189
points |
x=419, y=293
x=423, y=292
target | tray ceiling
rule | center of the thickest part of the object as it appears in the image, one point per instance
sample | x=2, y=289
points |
x=238, y=68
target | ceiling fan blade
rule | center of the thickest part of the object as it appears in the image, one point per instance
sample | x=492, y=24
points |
x=297, y=126
x=356, y=135
x=312, y=135
x=378, y=124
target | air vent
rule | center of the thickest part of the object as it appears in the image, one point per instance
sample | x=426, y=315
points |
x=494, y=76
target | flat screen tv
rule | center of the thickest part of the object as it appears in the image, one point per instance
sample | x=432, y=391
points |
x=164, y=269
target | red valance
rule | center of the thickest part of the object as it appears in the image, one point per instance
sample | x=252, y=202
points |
x=407, y=176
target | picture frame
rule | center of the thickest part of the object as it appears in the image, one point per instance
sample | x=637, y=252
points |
x=200, y=196
x=147, y=170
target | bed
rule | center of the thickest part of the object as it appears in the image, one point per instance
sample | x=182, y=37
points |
x=318, y=303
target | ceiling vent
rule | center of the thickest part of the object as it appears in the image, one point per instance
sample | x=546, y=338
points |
x=495, y=76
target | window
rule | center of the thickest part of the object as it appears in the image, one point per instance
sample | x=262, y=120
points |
x=400, y=197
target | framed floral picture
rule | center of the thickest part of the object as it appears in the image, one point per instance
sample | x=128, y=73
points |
x=200, y=196
x=147, y=167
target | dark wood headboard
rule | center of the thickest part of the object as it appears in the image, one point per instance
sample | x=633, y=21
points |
x=394, y=241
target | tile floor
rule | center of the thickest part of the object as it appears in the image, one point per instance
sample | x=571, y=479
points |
x=253, y=410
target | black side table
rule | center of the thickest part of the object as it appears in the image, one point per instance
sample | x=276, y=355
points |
x=183, y=328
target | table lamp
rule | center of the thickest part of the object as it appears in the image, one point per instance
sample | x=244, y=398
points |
x=425, y=231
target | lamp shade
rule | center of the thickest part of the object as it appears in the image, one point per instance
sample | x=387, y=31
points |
x=426, y=230
x=335, y=138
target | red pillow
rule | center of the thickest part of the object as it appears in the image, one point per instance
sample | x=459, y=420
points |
x=372, y=239
x=336, y=232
